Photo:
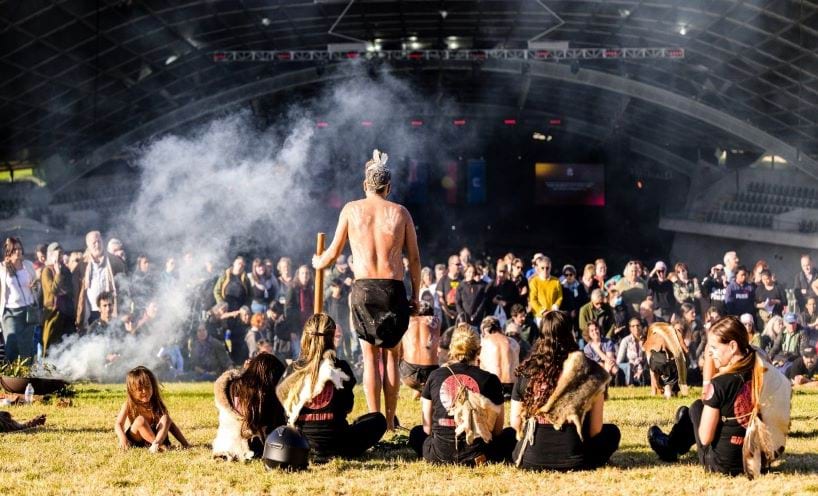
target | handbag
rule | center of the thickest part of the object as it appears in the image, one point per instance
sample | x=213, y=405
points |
x=500, y=315
x=34, y=313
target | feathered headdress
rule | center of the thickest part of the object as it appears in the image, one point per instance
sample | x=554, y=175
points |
x=377, y=175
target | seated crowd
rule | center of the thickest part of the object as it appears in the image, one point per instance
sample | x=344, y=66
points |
x=481, y=336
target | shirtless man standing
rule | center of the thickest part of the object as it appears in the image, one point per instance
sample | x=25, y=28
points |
x=420, y=345
x=379, y=232
x=499, y=354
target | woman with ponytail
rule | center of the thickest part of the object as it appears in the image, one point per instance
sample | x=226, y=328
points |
x=317, y=396
x=557, y=404
x=726, y=424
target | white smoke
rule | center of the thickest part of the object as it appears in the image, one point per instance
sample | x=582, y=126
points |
x=227, y=184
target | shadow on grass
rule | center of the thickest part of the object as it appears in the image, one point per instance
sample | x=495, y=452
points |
x=798, y=463
x=803, y=434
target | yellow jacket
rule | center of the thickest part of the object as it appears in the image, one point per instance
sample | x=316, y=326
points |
x=544, y=294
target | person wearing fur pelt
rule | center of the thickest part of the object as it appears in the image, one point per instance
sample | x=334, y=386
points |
x=462, y=409
x=317, y=396
x=740, y=425
x=248, y=408
x=557, y=404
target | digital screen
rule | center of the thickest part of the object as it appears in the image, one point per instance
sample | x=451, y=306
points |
x=570, y=184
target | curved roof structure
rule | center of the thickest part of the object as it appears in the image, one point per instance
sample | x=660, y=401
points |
x=85, y=78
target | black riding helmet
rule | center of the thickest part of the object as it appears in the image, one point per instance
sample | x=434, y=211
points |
x=286, y=448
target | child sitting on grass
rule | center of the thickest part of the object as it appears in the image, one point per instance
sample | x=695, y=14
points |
x=143, y=419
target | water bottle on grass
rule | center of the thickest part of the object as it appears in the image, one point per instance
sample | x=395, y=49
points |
x=28, y=397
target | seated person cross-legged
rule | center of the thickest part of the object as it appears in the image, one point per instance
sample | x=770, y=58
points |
x=419, y=348
x=462, y=409
x=317, y=396
x=548, y=404
x=248, y=408
x=741, y=422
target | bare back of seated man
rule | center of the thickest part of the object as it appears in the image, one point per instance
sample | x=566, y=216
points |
x=499, y=354
x=420, y=344
x=379, y=233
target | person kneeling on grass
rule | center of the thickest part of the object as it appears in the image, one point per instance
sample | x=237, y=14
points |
x=248, y=408
x=317, y=396
x=462, y=409
x=741, y=422
x=143, y=419
x=557, y=404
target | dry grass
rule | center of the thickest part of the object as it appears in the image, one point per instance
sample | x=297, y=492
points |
x=77, y=453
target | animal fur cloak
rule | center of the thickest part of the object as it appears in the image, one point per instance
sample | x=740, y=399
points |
x=580, y=381
x=231, y=437
x=474, y=414
x=770, y=419
x=294, y=391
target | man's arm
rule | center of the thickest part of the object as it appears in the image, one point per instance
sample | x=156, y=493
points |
x=320, y=262
x=410, y=241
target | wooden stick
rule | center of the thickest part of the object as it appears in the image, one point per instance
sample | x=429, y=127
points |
x=318, y=302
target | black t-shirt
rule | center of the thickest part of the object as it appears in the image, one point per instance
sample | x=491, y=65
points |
x=714, y=289
x=732, y=397
x=441, y=388
x=776, y=293
x=799, y=368
x=449, y=289
x=554, y=449
x=662, y=292
x=322, y=433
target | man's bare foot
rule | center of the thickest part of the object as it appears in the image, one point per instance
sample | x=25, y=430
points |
x=684, y=389
x=668, y=392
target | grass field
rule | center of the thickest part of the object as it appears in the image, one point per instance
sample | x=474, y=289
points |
x=77, y=453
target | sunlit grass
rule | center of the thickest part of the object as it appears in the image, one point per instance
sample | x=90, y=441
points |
x=77, y=453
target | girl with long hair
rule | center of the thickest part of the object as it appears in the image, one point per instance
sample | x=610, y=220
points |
x=263, y=289
x=248, y=407
x=447, y=388
x=17, y=300
x=542, y=446
x=719, y=422
x=143, y=420
x=317, y=394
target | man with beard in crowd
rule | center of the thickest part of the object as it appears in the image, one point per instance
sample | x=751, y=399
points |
x=379, y=232
x=93, y=275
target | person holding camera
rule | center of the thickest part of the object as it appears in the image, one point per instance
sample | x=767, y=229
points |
x=58, y=297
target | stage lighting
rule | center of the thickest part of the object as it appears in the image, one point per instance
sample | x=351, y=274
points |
x=265, y=21
x=538, y=136
x=416, y=122
x=510, y=122
x=683, y=30
x=459, y=122
x=173, y=58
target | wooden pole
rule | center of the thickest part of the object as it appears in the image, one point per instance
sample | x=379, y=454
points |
x=318, y=301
